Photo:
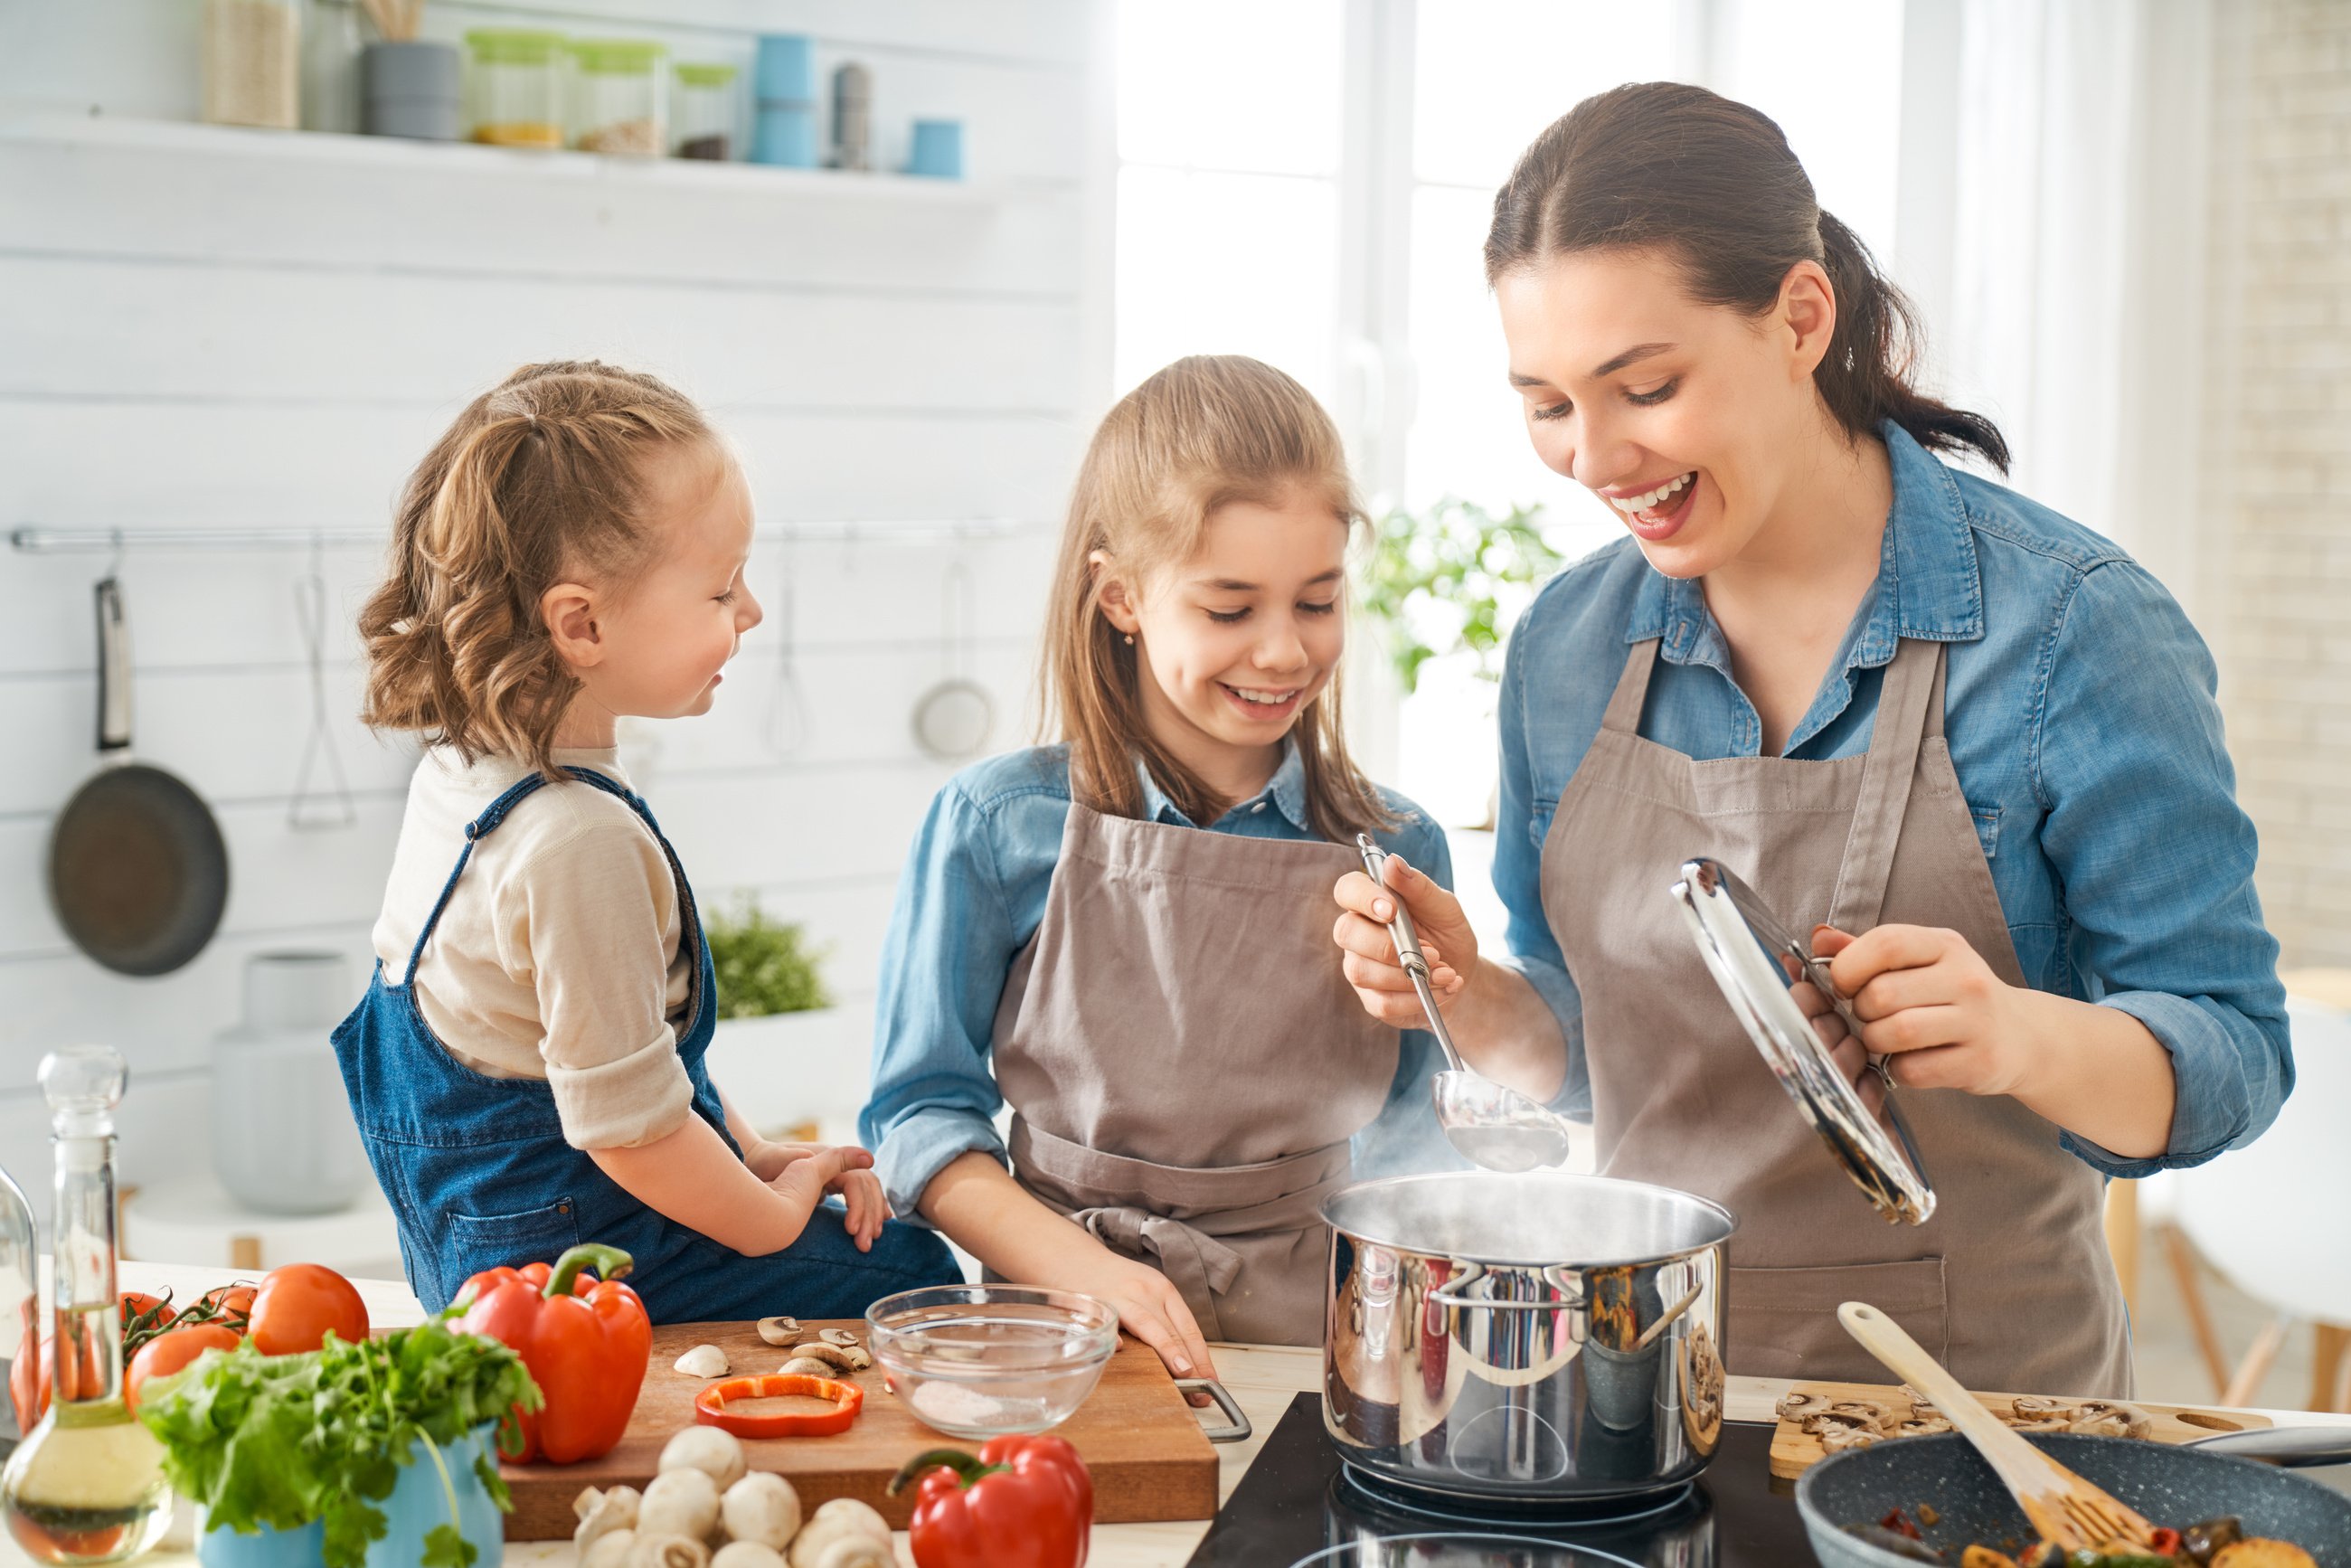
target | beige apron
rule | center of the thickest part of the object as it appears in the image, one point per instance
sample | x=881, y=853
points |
x=1185, y=1063
x=2010, y=1283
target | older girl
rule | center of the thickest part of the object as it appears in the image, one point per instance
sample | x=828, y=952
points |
x=1121, y=935
x=1974, y=740
x=528, y=1067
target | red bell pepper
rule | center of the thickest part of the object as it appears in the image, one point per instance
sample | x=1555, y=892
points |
x=848, y=1399
x=1024, y=1503
x=585, y=1344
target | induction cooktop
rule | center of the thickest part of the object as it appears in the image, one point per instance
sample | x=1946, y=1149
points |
x=1299, y=1507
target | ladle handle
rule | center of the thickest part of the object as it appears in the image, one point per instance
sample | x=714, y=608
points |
x=1408, y=953
x=2024, y=1468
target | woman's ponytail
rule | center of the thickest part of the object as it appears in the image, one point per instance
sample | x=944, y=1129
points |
x=1670, y=167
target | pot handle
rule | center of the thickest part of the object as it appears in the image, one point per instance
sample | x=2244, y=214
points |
x=1237, y=1429
x=1444, y=1294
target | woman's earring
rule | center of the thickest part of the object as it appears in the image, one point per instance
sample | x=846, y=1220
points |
x=1130, y=639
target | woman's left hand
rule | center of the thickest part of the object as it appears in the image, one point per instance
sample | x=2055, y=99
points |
x=1929, y=1003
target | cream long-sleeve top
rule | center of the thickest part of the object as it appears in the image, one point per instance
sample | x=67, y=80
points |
x=558, y=956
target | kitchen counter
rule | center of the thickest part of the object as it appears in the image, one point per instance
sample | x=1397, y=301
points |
x=1263, y=1378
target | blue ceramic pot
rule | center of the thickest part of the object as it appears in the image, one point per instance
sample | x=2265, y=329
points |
x=417, y=1505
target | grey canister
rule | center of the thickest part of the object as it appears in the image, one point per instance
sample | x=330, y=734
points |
x=282, y=1137
x=411, y=89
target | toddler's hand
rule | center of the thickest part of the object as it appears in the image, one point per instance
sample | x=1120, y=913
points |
x=806, y=1178
x=861, y=1192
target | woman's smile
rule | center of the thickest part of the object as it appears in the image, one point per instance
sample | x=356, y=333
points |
x=1657, y=513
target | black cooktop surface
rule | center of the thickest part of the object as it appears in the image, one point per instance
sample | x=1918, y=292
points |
x=1298, y=1505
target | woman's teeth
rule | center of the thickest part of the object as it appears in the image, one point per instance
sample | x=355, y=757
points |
x=1630, y=504
x=1267, y=699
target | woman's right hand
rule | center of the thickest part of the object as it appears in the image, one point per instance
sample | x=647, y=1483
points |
x=1370, y=963
x=1149, y=1307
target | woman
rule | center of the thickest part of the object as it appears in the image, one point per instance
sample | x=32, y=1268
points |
x=1973, y=739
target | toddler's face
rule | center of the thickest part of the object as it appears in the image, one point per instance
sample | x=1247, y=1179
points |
x=669, y=633
x=1239, y=639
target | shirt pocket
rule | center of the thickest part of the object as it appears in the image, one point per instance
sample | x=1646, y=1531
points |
x=1986, y=821
x=477, y=1242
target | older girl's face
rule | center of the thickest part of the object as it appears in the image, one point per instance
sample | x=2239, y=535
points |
x=1682, y=417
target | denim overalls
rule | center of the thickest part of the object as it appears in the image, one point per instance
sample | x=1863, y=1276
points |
x=478, y=1173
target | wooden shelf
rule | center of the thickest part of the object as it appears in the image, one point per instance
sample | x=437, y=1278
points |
x=465, y=158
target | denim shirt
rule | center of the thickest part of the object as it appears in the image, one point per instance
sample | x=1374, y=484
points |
x=2082, y=721
x=972, y=896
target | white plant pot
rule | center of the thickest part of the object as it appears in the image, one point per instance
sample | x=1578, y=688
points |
x=786, y=1068
x=283, y=1138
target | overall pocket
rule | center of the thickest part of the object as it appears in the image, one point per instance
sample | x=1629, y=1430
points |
x=474, y=1242
x=1784, y=1321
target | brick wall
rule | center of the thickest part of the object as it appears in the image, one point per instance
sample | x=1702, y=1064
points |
x=2278, y=478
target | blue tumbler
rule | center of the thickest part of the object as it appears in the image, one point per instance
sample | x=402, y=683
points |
x=939, y=149
x=783, y=128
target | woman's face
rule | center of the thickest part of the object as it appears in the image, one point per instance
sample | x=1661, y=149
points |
x=1238, y=640
x=1682, y=417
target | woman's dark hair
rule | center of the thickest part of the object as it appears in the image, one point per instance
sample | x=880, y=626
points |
x=1670, y=167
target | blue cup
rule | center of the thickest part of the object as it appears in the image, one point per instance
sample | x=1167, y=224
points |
x=784, y=135
x=786, y=71
x=939, y=149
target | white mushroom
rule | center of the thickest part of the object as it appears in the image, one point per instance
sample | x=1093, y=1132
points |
x=679, y=1502
x=668, y=1551
x=824, y=1542
x=612, y=1549
x=716, y=1453
x=602, y=1513
x=746, y=1554
x=761, y=1509
x=860, y=1358
x=779, y=1331
x=836, y=1336
x=831, y=1356
x=858, y=1552
x=703, y=1361
x=807, y=1367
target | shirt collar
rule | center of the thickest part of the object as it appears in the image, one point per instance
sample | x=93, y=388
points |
x=1286, y=790
x=1928, y=584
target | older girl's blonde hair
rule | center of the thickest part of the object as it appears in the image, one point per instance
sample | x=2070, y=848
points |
x=1204, y=432
x=540, y=478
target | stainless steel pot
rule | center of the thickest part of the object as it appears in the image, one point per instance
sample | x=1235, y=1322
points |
x=1537, y=1336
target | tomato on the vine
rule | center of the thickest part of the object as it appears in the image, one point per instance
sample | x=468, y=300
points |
x=168, y=1352
x=231, y=1306
x=298, y=1306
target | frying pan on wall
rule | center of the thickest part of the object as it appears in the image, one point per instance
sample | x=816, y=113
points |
x=138, y=871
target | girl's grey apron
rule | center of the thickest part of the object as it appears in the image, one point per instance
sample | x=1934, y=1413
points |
x=1185, y=1064
x=2010, y=1283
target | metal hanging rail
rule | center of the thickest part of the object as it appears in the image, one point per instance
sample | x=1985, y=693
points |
x=31, y=539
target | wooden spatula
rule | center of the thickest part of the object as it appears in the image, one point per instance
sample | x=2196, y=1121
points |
x=2063, y=1508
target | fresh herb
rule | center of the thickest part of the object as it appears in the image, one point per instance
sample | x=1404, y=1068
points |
x=275, y=1441
x=763, y=966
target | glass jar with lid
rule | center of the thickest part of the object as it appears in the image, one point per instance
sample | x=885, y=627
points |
x=618, y=103
x=703, y=111
x=513, y=86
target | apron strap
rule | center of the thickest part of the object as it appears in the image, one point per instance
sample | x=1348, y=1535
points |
x=1623, y=714
x=1200, y=1267
x=1912, y=690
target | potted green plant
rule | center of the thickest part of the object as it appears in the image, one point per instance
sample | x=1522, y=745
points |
x=1447, y=583
x=781, y=1042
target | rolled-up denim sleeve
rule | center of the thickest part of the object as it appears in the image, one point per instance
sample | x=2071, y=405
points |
x=1518, y=878
x=950, y=945
x=2157, y=859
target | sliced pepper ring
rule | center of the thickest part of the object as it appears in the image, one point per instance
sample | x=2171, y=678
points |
x=848, y=1399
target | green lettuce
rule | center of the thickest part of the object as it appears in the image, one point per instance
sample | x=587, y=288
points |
x=275, y=1441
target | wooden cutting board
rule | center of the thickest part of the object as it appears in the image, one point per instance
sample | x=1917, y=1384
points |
x=1138, y=1436
x=1795, y=1451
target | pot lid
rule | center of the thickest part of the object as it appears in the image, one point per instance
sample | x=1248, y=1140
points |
x=1757, y=963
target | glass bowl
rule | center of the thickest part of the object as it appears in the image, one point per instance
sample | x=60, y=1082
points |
x=985, y=1361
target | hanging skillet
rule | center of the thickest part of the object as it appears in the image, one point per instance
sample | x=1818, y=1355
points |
x=138, y=872
x=1758, y=962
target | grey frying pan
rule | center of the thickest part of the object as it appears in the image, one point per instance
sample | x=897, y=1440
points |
x=138, y=871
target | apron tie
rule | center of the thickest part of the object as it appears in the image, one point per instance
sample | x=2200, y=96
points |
x=1199, y=1266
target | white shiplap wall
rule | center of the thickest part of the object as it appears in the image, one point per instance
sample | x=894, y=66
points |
x=206, y=328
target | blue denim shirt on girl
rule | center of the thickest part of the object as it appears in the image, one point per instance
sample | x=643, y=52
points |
x=2082, y=725
x=478, y=1172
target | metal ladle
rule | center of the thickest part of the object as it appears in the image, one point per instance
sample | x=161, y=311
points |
x=1490, y=1123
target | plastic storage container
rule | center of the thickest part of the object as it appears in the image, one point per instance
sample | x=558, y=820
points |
x=783, y=130
x=704, y=112
x=618, y=104
x=252, y=63
x=513, y=86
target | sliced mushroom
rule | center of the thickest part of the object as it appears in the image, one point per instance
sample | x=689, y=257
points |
x=1875, y=1412
x=1837, y=1439
x=2111, y=1418
x=779, y=1331
x=836, y=1336
x=832, y=1355
x=1795, y=1404
x=703, y=1361
x=807, y=1366
x=860, y=1358
x=1918, y=1428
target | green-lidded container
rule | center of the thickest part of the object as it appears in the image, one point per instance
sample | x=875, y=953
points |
x=618, y=99
x=513, y=86
x=705, y=112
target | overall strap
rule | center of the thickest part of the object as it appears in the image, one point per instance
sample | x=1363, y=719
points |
x=1910, y=693
x=487, y=822
x=1624, y=713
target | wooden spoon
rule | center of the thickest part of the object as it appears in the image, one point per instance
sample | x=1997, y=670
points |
x=2065, y=1509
